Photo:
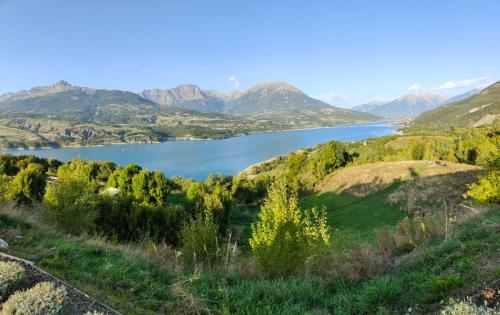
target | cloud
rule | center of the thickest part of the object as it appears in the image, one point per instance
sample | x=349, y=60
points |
x=235, y=81
x=466, y=83
x=146, y=70
x=415, y=88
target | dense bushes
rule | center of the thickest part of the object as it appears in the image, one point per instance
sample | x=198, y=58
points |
x=11, y=278
x=487, y=189
x=70, y=201
x=28, y=184
x=328, y=157
x=43, y=299
x=212, y=198
x=283, y=236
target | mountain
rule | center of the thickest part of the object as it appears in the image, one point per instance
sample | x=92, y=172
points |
x=65, y=101
x=187, y=96
x=478, y=110
x=270, y=100
x=462, y=96
x=62, y=113
x=403, y=107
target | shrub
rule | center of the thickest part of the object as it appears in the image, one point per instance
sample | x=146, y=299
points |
x=43, y=299
x=4, y=186
x=11, y=278
x=444, y=285
x=200, y=243
x=283, y=237
x=328, y=157
x=467, y=307
x=412, y=233
x=487, y=189
x=28, y=184
x=418, y=151
x=70, y=202
x=381, y=292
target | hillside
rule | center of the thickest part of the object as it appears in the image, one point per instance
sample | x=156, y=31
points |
x=362, y=271
x=482, y=109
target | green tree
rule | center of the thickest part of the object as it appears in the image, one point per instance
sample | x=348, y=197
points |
x=487, y=189
x=28, y=185
x=160, y=188
x=327, y=158
x=70, y=201
x=283, y=236
x=121, y=178
x=140, y=187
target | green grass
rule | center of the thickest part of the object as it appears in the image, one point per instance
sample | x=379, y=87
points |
x=356, y=217
x=134, y=285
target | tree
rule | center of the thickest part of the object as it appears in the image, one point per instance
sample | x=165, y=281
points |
x=328, y=157
x=296, y=162
x=121, y=178
x=487, y=189
x=70, y=201
x=140, y=187
x=283, y=236
x=28, y=185
x=160, y=188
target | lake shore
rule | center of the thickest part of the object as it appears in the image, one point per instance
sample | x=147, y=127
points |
x=189, y=138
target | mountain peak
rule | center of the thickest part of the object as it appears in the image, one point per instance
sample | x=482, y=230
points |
x=61, y=83
x=279, y=86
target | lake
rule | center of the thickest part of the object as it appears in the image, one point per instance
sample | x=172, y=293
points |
x=197, y=159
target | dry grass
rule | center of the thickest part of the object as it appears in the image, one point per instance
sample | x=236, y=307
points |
x=363, y=180
x=426, y=194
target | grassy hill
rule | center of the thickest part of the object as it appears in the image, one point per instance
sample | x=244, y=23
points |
x=482, y=109
x=145, y=279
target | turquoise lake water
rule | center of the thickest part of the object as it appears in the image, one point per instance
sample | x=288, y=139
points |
x=197, y=159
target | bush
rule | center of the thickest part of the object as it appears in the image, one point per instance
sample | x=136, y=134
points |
x=11, y=278
x=467, y=307
x=444, y=285
x=328, y=157
x=200, y=243
x=70, y=202
x=283, y=237
x=43, y=299
x=379, y=293
x=4, y=186
x=487, y=189
x=28, y=185
x=412, y=233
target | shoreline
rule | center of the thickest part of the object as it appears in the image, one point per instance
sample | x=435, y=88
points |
x=190, y=138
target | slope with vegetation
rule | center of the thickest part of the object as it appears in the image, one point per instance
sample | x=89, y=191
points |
x=482, y=109
x=322, y=230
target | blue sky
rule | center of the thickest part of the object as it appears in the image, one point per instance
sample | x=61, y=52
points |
x=347, y=52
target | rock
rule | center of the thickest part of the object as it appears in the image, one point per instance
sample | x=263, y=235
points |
x=3, y=244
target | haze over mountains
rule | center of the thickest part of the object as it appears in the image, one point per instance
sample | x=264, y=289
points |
x=408, y=106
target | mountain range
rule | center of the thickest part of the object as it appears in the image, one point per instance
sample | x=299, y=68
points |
x=408, y=106
x=72, y=114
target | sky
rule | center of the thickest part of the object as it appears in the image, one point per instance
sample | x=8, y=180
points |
x=344, y=52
